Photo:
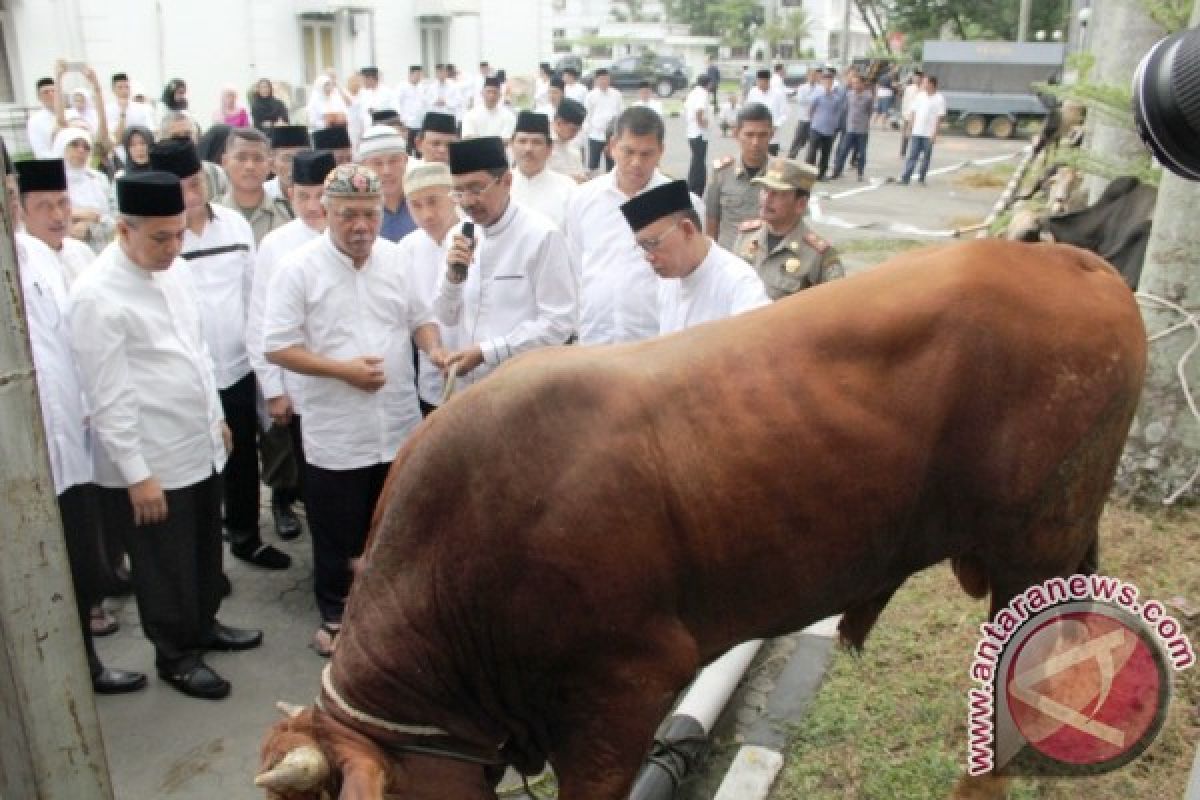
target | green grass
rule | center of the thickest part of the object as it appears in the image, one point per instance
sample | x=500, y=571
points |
x=890, y=724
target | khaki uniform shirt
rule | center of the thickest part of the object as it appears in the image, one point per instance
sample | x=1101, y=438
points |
x=731, y=198
x=802, y=259
x=271, y=213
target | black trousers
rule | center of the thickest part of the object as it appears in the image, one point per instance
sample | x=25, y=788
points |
x=595, y=150
x=696, y=169
x=339, y=505
x=282, y=450
x=79, y=507
x=799, y=138
x=241, y=493
x=176, y=567
x=819, y=145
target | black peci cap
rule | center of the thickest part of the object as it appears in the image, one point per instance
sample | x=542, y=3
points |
x=384, y=116
x=289, y=136
x=41, y=175
x=119, y=76
x=335, y=137
x=491, y=82
x=649, y=207
x=763, y=75
x=310, y=167
x=473, y=155
x=149, y=194
x=533, y=122
x=44, y=82
x=176, y=156
x=557, y=83
x=369, y=72
x=571, y=111
x=439, y=122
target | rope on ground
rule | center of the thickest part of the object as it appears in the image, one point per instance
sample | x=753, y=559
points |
x=1190, y=320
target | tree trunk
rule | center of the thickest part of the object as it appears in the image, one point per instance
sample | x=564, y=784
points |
x=1119, y=34
x=1162, y=455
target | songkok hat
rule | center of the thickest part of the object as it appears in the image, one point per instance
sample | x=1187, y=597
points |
x=369, y=72
x=289, y=136
x=557, y=83
x=415, y=68
x=335, y=137
x=648, y=207
x=784, y=173
x=44, y=82
x=473, y=155
x=149, y=194
x=533, y=122
x=600, y=73
x=41, y=175
x=492, y=81
x=384, y=116
x=348, y=180
x=439, y=122
x=763, y=75
x=120, y=76
x=310, y=167
x=381, y=139
x=426, y=175
x=571, y=111
x=176, y=156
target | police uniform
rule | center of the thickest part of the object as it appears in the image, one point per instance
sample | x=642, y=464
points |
x=800, y=259
x=269, y=214
x=730, y=197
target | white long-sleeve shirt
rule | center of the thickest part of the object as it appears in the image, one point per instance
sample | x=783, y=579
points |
x=547, y=193
x=63, y=416
x=602, y=108
x=318, y=300
x=723, y=285
x=411, y=103
x=73, y=259
x=618, y=292
x=40, y=132
x=774, y=100
x=426, y=260
x=520, y=292
x=147, y=374
x=273, y=380
x=484, y=121
x=221, y=263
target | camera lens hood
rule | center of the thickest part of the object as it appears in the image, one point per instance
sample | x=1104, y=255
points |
x=1166, y=102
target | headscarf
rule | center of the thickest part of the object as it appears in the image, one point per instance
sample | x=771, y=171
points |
x=168, y=95
x=320, y=104
x=86, y=190
x=88, y=114
x=269, y=108
x=238, y=115
x=145, y=133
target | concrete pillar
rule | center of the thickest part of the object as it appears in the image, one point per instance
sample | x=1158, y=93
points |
x=1119, y=34
x=1163, y=451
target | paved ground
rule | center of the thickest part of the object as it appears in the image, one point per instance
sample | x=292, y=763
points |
x=163, y=745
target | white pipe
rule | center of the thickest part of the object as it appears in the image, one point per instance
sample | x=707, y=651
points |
x=713, y=687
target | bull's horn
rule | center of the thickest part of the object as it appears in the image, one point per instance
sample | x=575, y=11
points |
x=303, y=769
x=290, y=710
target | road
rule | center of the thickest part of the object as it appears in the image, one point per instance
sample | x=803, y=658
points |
x=161, y=744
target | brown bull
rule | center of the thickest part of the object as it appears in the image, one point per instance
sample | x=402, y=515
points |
x=561, y=547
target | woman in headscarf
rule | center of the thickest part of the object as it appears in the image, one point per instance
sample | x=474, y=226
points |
x=231, y=110
x=327, y=103
x=174, y=98
x=91, y=193
x=136, y=143
x=81, y=104
x=267, y=110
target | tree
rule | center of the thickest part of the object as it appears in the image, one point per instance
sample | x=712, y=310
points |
x=733, y=20
x=874, y=14
x=962, y=19
x=627, y=11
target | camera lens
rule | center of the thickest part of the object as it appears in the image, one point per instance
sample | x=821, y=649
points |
x=1166, y=102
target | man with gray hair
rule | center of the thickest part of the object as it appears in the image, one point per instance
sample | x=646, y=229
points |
x=342, y=311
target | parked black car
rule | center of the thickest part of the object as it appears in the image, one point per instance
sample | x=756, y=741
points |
x=666, y=74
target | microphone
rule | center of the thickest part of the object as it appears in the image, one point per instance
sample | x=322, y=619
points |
x=460, y=269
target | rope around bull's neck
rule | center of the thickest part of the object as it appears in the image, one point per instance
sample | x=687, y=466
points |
x=368, y=719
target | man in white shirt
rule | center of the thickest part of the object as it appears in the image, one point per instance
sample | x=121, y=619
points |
x=618, y=292
x=509, y=286
x=47, y=217
x=554, y=96
x=281, y=389
x=698, y=122
x=412, y=103
x=341, y=310
x=438, y=130
x=442, y=95
x=138, y=338
x=912, y=90
x=286, y=142
x=804, y=96
x=46, y=207
x=42, y=124
x=123, y=112
x=646, y=99
x=924, y=120
x=774, y=100
x=603, y=105
x=490, y=117
x=702, y=281
x=534, y=184
x=372, y=96
x=428, y=184
x=572, y=88
x=218, y=250
x=565, y=155
x=477, y=84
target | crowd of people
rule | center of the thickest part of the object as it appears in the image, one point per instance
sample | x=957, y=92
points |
x=267, y=303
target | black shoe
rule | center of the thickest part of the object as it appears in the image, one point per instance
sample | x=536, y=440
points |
x=223, y=637
x=286, y=524
x=117, y=681
x=261, y=555
x=196, y=679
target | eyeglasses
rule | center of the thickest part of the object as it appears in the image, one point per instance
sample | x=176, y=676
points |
x=650, y=245
x=458, y=195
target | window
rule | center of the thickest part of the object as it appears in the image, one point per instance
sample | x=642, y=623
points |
x=317, y=44
x=7, y=84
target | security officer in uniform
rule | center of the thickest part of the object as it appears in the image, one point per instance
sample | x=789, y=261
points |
x=787, y=255
x=731, y=198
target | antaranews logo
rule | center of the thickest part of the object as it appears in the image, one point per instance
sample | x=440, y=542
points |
x=1074, y=678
